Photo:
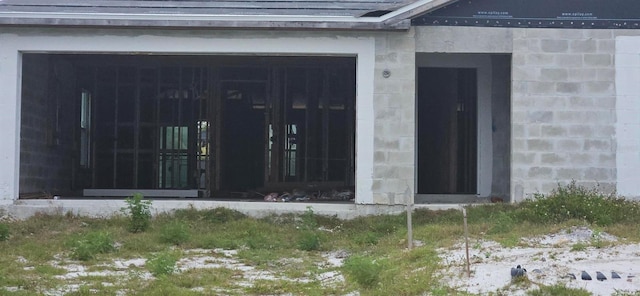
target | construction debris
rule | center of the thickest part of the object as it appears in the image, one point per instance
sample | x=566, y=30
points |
x=301, y=195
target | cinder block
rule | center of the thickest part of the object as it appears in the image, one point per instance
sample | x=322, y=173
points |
x=540, y=173
x=598, y=60
x=597, y=145
x=599, y=87
x=581, y=159
x=554, y=45
x=583, y=46
x=553, y=74
x=569, y=87
x=598, y=174
x=539, y=145
x=568, y=145
x=540, y=116
x=582, y=74
x=553, y=131
x=540, y=59
x=520, y=158
x=552, y=159
x=569, y=174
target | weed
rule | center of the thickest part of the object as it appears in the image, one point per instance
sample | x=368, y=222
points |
x=557, y=290
x=576, y=202
x=216, y=215
x=367, y=238
x=309, y=241
x=626, y=293
x=175, y=232
x=502, y=223
x=509, y=241
x=163, y=263
x=138, y=210
x=363, y=270
x=577, y=247
x=4, y=232
x=309, y=221
x=87, y=246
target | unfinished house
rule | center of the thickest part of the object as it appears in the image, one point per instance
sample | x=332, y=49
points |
x=351, y=107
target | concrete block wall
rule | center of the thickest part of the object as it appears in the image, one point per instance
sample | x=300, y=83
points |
x=563, y=117
x=567, y=119
x=394, y=113
x=46, y=138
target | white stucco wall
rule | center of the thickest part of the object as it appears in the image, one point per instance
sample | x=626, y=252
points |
x=13, y=42
x=628, y=115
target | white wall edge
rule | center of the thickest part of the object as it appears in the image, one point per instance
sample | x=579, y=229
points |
x=627, y=65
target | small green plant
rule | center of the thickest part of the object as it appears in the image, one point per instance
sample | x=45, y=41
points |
x=163, y=263
x=597, y=239
x=558, y=289
x=308, y=241
x=363, y=270
x=175, y=232
x=309, y=221
x=87, y=246
x=4, y=232
x=577, y=247
x=366, y=238
x=502, y=223
x=573, y=201
x=139, y=212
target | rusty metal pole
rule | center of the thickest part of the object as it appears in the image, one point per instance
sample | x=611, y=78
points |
x=466, y=240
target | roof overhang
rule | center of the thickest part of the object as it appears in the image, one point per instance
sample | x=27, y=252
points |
x=398, y=19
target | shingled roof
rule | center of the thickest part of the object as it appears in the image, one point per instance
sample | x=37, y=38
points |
x=312, y=14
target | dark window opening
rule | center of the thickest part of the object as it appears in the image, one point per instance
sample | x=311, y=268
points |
x=223, y=126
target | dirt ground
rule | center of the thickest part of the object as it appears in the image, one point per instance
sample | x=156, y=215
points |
x=549, y=260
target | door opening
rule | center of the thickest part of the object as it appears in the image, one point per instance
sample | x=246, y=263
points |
x=447, y=130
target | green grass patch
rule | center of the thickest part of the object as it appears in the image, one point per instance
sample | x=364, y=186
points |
x=558, y=290
x=292, y=248
x=88, y=246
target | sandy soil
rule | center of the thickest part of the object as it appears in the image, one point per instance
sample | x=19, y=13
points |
x=549, y=260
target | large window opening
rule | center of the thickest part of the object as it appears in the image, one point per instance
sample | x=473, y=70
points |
x=187, y=126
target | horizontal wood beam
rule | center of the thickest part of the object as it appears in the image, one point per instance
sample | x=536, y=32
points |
x=144, y=192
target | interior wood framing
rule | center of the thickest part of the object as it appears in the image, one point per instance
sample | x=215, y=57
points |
x=223, y=125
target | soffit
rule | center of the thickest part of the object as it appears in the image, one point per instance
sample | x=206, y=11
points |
x=281, y=14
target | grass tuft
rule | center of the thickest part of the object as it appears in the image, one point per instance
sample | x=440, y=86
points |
x=175, y=232
x=162, y=264
x=363, y=270
x=4, y=232
x=88, y=246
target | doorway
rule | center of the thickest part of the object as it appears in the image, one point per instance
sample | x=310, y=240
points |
x=463, y=127
x=447, y=130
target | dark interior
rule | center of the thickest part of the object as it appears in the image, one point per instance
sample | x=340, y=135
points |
x=447, y=131
x=227, y=126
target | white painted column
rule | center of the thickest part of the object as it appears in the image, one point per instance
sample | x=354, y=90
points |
x=627, y=111
x=10, y=76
